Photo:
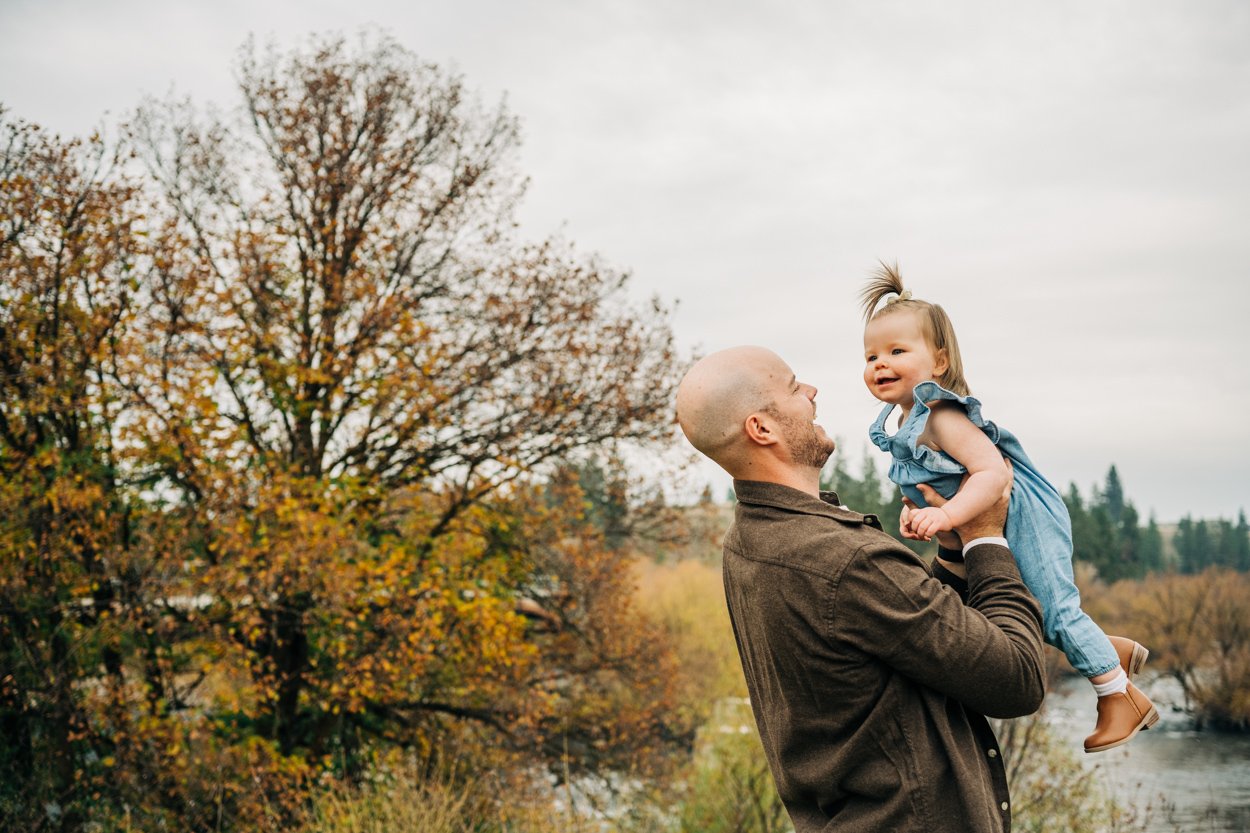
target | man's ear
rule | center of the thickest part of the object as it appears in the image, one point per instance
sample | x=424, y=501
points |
x=759, y=431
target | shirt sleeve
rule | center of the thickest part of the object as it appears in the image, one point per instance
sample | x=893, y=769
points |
x=986, y=653
x=954, y=582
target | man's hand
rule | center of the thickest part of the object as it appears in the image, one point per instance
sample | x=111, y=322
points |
x=989, y=524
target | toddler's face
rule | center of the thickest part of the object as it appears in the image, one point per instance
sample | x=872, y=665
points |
x=898, y=357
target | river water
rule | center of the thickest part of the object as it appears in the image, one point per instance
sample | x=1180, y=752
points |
x=1195, y=782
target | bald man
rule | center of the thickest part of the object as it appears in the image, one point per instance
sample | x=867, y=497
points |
x=870, y=672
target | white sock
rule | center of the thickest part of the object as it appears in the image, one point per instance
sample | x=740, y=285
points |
x=1117, y=686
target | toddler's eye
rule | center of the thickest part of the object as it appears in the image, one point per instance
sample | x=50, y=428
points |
x=873, y=357
x=896, y=351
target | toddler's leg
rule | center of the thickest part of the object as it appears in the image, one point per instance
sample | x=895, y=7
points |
x=1123, y=710
x=1048, y=575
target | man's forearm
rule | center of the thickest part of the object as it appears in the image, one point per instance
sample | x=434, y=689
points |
x=994, y=590
x=986, y=653
x=951, y=562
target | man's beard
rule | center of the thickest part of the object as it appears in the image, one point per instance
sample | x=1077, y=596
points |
x=806, y=446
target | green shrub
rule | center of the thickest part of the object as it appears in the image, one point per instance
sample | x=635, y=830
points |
x=729, y=788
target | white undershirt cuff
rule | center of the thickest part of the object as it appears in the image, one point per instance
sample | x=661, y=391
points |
x=1002, y=542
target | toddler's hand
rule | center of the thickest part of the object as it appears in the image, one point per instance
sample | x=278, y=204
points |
x=930, y=521
x=904, y=521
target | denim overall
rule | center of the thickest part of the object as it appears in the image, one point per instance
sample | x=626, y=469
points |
x=1039, y=530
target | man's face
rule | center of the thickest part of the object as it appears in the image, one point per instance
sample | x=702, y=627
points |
x=795, y=409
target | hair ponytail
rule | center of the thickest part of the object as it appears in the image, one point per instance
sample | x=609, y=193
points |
x=885, y=281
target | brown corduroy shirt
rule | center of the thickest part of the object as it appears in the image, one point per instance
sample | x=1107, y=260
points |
x=869, y=678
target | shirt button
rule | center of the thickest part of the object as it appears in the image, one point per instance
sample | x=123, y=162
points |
x=993, y=753
x=1003, y=805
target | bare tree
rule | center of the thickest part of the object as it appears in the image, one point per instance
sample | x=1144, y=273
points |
x=339, y=305
x=348, y=268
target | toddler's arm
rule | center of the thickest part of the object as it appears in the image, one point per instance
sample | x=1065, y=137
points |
x=950, y=430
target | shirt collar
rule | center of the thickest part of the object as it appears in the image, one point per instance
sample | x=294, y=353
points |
x=776, y=495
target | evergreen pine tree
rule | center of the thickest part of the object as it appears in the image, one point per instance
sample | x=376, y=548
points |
x=605, y=490
x=1093, y=534
x=1113, y=496
x=1076, y=511
x=1128, y=542
x=1225, y=544
x=1241, y=548
x=1102, y=549
x=1203, y=548
x=1183, y=543
x=1150, y=547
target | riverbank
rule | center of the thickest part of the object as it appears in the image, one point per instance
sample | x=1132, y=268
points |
x=1179, y=778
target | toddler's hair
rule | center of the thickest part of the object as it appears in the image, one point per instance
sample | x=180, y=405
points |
x=934, y=322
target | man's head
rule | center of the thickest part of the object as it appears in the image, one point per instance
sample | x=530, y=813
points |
x=744, y=408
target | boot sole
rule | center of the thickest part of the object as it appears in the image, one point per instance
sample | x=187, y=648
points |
x=1151, y=718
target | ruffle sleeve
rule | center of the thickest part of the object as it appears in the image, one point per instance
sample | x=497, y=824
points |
x=936, y=461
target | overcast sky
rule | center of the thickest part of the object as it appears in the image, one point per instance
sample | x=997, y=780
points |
x=1071, y=180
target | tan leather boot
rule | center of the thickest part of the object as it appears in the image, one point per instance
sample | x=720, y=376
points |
x=1120, y=717
x=1132, y=655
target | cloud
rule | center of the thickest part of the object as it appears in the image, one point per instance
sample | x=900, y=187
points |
x=1068, y=179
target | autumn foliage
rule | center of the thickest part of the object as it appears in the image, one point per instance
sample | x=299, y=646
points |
x=1198, y=631
x=283, y=401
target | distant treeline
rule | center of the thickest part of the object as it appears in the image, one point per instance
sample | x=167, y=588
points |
x=1107, y=530
x=1107, y=533
x=1220, y=543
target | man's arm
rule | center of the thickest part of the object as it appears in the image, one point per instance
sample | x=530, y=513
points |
x=951, y=573
x=987, y=653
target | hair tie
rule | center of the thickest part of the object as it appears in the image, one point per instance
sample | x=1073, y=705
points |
x=905, y=295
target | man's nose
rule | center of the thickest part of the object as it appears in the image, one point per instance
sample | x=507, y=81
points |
x=811, y=392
